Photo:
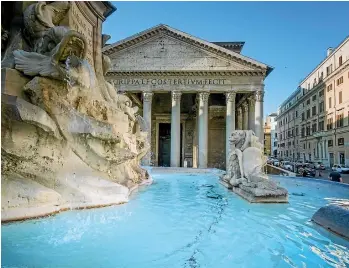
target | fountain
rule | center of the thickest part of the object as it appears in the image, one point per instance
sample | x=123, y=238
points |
x=245, y=174
x=68, y=139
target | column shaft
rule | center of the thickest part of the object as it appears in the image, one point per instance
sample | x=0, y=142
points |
x=259, y=115
x=245, y=116
x=240, y=118
x=203, y=129
x=147, y=100
x=230, y=123
x=176, y=129
x=251, y=113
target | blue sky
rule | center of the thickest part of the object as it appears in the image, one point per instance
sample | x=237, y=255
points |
x=292, y=37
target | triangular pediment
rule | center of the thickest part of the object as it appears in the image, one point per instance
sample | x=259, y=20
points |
x=165, y=49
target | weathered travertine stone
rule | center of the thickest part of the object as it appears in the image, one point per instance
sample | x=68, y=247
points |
x=68, y=139
x=245, y=171
x=334, y=218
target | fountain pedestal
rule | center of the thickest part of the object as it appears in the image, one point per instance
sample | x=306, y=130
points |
x=245, y=175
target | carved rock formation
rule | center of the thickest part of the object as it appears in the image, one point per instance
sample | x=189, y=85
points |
x=68, y=139
x=245, y=171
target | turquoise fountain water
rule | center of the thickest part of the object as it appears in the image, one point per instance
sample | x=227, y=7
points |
x=185, y=220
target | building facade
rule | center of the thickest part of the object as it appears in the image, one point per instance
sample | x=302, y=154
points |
x=313, y=124
x=192, y=93
x=267, y=137
x=273, y=134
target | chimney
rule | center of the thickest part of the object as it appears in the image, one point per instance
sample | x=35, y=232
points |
x=329, y=51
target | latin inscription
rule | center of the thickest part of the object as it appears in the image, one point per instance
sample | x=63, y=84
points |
x=174, y=81
x=81, y=25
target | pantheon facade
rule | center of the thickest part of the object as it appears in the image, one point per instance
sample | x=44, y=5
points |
x=192, y=93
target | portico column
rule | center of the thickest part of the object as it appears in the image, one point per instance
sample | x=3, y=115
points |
x=245, y=115
x=176, y=129
x=230, y=122
x=259, y=94
x=147, y=99
x=251, y=113
x=203, y=129
x=240, y=118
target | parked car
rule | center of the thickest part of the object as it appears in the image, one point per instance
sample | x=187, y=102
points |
x=292, y=167
x=307, y=170
x=340, y=168
x=319, y=165
x=276, y=163
x=270, y=161
x=299, y=163
x=287, y=165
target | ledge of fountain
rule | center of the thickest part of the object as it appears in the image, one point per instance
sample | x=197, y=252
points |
x=164, y=170
x=266, y=196
x=334, y=217
x=26, y=213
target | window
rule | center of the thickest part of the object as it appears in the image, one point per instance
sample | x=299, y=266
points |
x=329, y=123
x=329, y=87
x=330, y=143
x=340, y=97
x=340, y=60
x=321, y=125
x=308, y=113
x=340, y=119
x=296, y=114
x=313, y=112
x=341, y=141
x=329, y=102
x=296, y=131
x=309, y=145
x=340, y=80
x=308, y=101
x=303, y=118
x=313, y=128
x=321, y=107
x=329, y=69
x=304, y=146
x=308, y=130
x=314, y=98
x=303, y=132
x=321, y=93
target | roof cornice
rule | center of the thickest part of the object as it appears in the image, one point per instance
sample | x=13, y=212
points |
x=187, y=73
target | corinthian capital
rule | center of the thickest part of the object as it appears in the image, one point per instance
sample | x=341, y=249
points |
x=251, y=100
x=259, y=95
x=176, y=95
x=203, y=96
x=147, y=96
x=230, y=96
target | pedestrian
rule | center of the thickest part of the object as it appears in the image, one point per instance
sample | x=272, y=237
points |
x=335, y=176
x=320, y=175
